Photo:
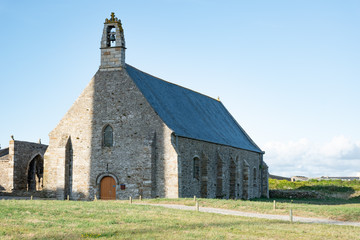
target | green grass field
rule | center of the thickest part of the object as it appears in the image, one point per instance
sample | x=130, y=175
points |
x=45, y=219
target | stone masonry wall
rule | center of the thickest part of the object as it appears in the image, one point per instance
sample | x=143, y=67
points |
x=74, y=128
x=14, y=166
x=211, y=154
x=139, y=158
x=24, y=152
x=6, y=171
x=142, y=157
x=112, y=57
x=167, y=171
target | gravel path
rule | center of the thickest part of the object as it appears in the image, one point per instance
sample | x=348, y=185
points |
x=256, y=215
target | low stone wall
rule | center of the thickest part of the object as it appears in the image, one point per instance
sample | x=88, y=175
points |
x=291, y=194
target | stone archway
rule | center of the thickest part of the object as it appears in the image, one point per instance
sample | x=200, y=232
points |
x=35, y=174
x=98, y=180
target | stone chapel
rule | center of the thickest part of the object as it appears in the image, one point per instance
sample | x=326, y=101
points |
x=132, y=134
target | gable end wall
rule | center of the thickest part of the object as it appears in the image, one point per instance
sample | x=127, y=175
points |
x=142, y=157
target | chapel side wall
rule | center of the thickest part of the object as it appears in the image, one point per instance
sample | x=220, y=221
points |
x=140, y=158
x=74, y=127
x=189, y=186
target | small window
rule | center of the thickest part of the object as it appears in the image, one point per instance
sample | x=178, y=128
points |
x=108, y=136
x=196, y=170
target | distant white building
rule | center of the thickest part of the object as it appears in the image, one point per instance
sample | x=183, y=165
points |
x=339, y=178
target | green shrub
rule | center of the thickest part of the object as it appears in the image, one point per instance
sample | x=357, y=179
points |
x=318, y=185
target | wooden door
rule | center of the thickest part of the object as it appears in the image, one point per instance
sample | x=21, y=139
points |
x=108, y=188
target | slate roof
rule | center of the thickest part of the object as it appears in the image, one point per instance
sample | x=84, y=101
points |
x=4, y=152
x=191, y=114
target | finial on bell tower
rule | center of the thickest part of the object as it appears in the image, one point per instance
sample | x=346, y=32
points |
x=112, y=45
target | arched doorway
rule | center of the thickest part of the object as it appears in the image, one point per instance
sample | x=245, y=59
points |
x=108, y=188
x=35, y=174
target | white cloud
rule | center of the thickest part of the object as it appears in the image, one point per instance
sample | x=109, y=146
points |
x=338, y=157
x=341, y=148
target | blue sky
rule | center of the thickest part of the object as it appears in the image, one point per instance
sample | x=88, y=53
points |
x=288, y=71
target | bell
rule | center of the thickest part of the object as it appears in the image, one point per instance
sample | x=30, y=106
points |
x=112, y=37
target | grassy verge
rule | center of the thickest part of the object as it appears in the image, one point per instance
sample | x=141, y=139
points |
x=118, y=220
x=331, y=209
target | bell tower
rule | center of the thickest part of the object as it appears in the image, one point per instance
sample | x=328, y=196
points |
x=112, y=45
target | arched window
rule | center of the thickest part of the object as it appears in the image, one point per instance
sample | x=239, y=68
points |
x=196, y=168
x=108, y=136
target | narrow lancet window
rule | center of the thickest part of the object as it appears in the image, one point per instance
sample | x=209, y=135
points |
x=196, y=168
x=108, y=136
